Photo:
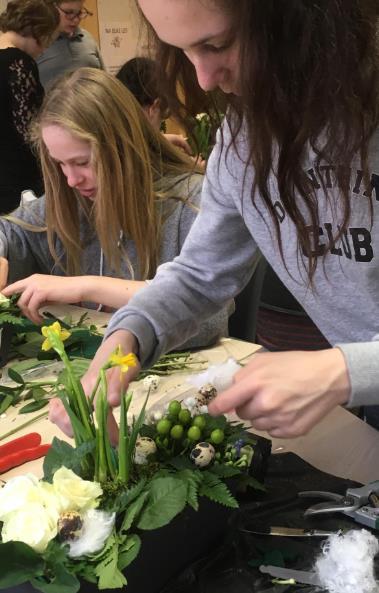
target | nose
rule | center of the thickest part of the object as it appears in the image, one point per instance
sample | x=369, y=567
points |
x=209, y=74
x=73, y=176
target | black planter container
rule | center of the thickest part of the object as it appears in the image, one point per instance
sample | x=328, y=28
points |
x=167, y=551
x=6, y=333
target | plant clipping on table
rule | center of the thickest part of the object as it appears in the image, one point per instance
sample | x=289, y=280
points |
x=84, y=521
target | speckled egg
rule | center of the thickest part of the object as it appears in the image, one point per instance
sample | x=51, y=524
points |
x=69, y=525
x=151, y=382
x=203, y=454
x=208, y=392
x=145, y=446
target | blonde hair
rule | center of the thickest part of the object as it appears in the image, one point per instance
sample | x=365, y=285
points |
x=132, y=162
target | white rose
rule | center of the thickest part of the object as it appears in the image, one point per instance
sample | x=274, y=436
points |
x=50, y=499
x=74, y=493
x=16, y=493
x=32, y=524
x=4, y=301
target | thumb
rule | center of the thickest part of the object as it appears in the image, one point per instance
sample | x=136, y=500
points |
x=3, y=272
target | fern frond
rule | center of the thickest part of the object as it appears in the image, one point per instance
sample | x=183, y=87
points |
x=214, y=489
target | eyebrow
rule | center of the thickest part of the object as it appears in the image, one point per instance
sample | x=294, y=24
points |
x=211, y=38
x=72, y=159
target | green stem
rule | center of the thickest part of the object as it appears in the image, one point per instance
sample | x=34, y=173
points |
x=123, y=442
x=102, y=462
x=107, y=444
x=24, y=425
x=92, y=396
x=30, y=384
x=83, y=405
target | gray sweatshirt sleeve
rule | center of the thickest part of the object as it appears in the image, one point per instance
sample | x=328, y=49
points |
x=26, y=250
x=215, y=263
x=362, y=360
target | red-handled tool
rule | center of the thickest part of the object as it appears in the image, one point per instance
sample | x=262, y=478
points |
x=21, y=450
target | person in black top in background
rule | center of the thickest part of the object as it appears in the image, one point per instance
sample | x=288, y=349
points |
x=27, y=27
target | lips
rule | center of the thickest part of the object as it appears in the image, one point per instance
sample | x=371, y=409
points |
x=88, y=193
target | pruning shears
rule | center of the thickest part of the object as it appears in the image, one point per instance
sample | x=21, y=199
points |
x=21, y=450
x=362, y=504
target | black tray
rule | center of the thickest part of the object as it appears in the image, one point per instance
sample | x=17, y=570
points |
x=167, y=551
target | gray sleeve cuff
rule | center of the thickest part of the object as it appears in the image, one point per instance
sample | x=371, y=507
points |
x=143, y=332
x=362, y=360
x=3, y=245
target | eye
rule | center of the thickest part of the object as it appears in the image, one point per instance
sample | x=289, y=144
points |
x=218, y=48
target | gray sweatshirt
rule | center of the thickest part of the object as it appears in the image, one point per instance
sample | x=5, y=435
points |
x=28, y=251
x=216, y=262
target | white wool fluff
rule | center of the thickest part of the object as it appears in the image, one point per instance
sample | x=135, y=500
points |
x=97, y=527
x=346, y=564
x=219, y=375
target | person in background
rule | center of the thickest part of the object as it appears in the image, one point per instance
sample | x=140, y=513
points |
x=119, y=201
x=139, y=75
x=295, y=174
x=27, y=28
x=74, y=47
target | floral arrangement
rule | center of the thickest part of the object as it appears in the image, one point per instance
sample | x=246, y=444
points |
x=203, y=131
x=85, y=519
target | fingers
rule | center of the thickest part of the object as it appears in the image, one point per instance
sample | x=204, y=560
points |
x=59, y=416
x=117, y=382
x=112, y=429
x=30, y=302
x=232, y=398
x=14, y=288
x=32, y=298
x=3, y=273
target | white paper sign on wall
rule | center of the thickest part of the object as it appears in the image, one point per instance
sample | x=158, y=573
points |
x=117, y=44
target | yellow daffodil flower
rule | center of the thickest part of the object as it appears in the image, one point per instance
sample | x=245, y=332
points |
x=49, y=331
x=124, y=361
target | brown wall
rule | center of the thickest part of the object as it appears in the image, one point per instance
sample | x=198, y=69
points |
x=91, y=23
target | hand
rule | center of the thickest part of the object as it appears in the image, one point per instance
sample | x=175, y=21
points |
x=287, y=393
x=3, y=273
x=39, y=290
x=179, y=141
x=117, y=382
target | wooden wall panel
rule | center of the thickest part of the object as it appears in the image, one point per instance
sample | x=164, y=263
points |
x=91, y=23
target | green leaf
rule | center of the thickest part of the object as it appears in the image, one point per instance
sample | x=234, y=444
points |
x=62, y=582
x=6, y=401
x=224, y=471
x=128, y=551
x=62, y=453
x=215, y=490
x=12, y=374
x=31, y=348
x=59, y=574
x=110, y=577
x=246, y=481
x=34, y=406
x=133, y=511
x=26, y=365
x=193, y=478
x=12, y=319
x=18, y=563
x=167, y=498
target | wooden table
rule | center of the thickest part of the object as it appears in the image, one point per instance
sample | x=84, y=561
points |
x=341, y=444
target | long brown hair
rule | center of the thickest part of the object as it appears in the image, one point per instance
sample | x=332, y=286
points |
x=134, y=164
x=309, y=80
